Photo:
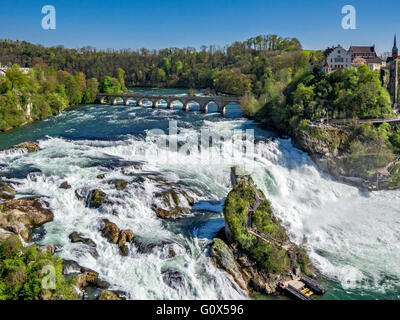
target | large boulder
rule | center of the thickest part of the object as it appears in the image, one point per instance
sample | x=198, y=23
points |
x=96, y=199
x=124, y=237
x=172, y=203
x=116, y=236
x=119, y=184
x=110, y=231
x=65, y=185
x=49, y=248
x=76, y=237
x=21, y=216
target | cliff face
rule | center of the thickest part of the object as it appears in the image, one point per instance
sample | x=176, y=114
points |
x=253, y=247
x=329, y=146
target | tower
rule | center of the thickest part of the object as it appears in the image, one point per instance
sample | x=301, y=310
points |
x=395, y=51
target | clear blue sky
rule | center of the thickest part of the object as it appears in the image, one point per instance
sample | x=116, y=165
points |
x=179, y=23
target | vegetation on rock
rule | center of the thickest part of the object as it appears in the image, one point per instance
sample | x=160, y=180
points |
x=21, y=271
x=254, y=247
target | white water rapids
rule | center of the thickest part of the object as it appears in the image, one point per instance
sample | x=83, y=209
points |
x=352, y=236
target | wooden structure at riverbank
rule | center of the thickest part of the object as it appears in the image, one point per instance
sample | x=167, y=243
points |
x=302, y=288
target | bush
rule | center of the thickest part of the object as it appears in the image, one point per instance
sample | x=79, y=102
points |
x=21, y=270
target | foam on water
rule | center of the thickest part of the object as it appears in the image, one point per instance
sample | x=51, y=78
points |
x=351, y=235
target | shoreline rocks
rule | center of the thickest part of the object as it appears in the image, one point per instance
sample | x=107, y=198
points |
x=21, y=216
x=111, y=295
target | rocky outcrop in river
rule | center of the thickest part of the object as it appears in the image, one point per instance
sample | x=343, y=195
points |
x=253, y=246
x=114, y=235
x=172, y=203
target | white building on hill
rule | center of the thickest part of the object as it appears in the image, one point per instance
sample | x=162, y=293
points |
x=336, y=58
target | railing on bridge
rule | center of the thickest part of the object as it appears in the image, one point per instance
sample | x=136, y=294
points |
x=202, y=101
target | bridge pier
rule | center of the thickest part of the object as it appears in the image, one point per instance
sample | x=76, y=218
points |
x=113, y=101
x=154, y=103
x=102, y=100
x=126, y=101
x=222, y=109
x=185, y=106
x=170, y=104
x=204, y=107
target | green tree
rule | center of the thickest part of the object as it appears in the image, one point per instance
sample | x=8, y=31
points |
x=111, y=85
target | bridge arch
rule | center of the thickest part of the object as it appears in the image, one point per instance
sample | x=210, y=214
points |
x=211, y=106
x=172, y=101
x=141, y=101
x=187, y=103
x=160, y=101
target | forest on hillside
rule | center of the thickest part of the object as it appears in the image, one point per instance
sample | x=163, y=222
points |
x=234, y=69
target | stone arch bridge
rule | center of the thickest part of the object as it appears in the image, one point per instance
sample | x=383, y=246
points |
x=156, y=100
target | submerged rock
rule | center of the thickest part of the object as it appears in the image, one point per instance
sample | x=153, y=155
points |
x=84, y=277
x=173, y=278
x=116, y=236
x=76, y=237
x=6, y=192
x=168, y=214
x=96, y=199
x=29, y=146
x=4, y=234
x=65, y=185
x=21, y=216
x=119, y=184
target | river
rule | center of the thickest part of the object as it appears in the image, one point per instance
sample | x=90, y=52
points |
x=351, y=235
